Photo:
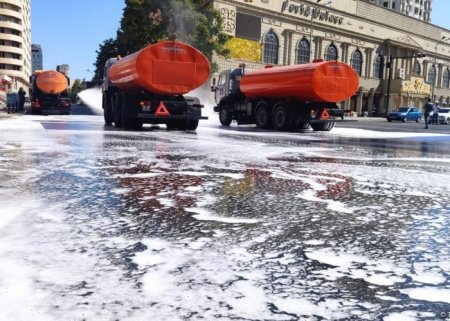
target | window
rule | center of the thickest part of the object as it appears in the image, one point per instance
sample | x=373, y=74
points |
x=446, y=79
x=417, y=69
x=303, y=52
x=378, y=67
x=356, y=62
x=270, y=51
x=432, y=75
x=331, y=53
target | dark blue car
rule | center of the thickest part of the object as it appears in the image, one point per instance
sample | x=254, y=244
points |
x=405, y=113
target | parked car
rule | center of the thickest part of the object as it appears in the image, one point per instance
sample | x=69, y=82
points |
x=443, y=116
x=404, y=114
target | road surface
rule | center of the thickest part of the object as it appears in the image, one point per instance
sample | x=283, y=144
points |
x=222, y=223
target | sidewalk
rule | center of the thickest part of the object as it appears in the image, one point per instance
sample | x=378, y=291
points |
x=359, y=118
x=4, y=114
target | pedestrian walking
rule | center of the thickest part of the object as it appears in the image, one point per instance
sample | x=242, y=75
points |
x=436, y=108
x=21, y=99
x=427, y=109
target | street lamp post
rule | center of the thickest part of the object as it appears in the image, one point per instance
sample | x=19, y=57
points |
x=443, y=39
x=313, y=10
x=90, y=71
x=389, y=66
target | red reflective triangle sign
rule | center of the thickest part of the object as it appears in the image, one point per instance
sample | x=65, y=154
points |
x=325, y=115
x=162, y=110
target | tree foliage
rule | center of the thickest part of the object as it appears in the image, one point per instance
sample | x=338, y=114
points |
x=76, y=88
x=146, y=22
x=108, y=49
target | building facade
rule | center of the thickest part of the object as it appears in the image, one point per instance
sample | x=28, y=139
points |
x=64, y=69
x=419, y=9
x=15, y=44
x=384, y=47
x=37, y=62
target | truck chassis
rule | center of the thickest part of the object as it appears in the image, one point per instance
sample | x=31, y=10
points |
x=281, y=115
x=132, y=110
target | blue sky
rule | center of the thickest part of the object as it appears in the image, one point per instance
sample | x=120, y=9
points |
x=71, y=31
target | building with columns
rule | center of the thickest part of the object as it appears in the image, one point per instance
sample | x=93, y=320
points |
x=374, y=40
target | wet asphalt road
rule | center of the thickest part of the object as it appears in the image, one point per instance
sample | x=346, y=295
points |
x=221, y=224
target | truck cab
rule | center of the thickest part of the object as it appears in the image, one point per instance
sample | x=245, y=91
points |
x=106, y=81
x=221, y=87
x=228, y=83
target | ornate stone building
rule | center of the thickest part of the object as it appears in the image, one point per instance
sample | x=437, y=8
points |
x=375, y=41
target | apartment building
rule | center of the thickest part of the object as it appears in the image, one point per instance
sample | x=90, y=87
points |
x=15, y=44
x=419, y=9
x=37, y=58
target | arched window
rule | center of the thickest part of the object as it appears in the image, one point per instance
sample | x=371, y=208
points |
x=303, y=52
x=432, y=75
x=331, y=53
x=417, y=69
x=270, y=51
x=446, y=79
x=378, y=67
x=356, y=62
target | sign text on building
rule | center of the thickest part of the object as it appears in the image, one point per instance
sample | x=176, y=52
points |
x=307, y=11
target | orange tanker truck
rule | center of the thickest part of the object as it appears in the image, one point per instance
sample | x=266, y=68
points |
x=149, y=86
x=287, y=97
x=48, y=93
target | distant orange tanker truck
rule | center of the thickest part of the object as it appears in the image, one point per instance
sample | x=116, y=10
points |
x=149, y=86
x=287, y=97
x=48, y=93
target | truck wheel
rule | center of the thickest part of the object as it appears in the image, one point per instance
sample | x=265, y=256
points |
x=281, y=118
x=303, y=125
x=225, y=116
x=117, y=112
x=323, y=127
x=330, y=126
x=171, y=124
x=107, y=110
x=192, y=124
x=107, y=115
x=130, y=121
x=262, y=116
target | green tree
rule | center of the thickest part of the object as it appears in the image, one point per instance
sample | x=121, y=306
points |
x=146, y=22
x=76, y=88
x=209, y=36
x=143, y=22
x=107, y=49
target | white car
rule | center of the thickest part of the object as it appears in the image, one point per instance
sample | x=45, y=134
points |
x=443, y=116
